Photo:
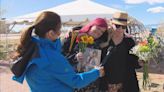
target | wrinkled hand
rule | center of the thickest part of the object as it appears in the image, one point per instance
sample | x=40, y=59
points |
x=101, y=70
x=80, y=56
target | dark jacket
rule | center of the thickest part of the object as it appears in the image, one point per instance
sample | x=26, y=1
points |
x=120, y=66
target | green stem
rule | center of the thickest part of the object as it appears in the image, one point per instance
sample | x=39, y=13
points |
x=145, y=76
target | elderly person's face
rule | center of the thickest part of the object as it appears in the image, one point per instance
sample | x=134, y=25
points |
x=96, y=31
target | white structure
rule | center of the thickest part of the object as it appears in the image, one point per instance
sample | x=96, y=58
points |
x=76, y=11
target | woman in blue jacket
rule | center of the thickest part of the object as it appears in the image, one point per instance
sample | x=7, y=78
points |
x=47, y=69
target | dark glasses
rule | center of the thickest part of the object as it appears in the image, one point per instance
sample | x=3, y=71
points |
x=118, y=26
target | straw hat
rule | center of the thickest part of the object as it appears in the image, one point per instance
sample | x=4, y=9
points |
x=120, y=18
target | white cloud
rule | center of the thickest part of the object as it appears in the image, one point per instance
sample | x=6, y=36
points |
x=143, y=1
x=129, y=6
x=117, y=6
x=156, y=9
x=122, y=7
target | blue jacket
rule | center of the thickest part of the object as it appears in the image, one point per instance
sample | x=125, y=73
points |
x=51, y=72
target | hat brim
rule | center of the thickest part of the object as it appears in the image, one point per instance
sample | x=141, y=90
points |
x=123, y=23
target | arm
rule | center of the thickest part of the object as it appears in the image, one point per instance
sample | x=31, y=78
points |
x=133, y=61
x=63, y=71
x=132, y=58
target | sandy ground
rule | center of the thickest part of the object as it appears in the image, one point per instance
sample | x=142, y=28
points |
x=8, y=85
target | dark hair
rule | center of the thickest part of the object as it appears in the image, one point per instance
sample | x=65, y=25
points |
x=45, y=22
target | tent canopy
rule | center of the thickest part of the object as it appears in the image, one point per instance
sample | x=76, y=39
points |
x=77, y=11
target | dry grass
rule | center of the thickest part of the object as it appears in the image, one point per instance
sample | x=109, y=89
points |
x=10, y=41
x=8, y=45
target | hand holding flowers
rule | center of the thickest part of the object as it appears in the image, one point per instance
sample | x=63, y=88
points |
x=82, y=41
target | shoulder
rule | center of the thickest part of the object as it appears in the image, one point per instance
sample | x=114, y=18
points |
x=129, y=42
x=56, y=57
x=128, y=38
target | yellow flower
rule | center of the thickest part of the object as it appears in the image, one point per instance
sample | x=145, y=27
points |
x=90, y=40
x=84, y=39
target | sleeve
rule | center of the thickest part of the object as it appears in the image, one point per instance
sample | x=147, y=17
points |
x=63, y=71
x=133, y=61
x=19, y=79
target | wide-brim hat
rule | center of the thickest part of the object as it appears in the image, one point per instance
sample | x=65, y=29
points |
x=120, y=18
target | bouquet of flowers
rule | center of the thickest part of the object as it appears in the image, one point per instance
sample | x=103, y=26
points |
x=145, y=52
x=83, y=41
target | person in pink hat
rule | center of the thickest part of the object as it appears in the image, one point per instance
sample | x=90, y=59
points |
x=98, y=30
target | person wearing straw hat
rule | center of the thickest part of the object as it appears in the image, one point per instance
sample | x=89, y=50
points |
x=120, y=73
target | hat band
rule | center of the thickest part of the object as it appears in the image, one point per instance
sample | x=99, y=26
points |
x=125, y=20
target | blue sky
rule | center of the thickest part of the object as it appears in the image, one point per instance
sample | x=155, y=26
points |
x=146, y=11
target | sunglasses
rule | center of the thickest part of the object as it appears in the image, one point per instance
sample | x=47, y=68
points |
x=118, y=26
